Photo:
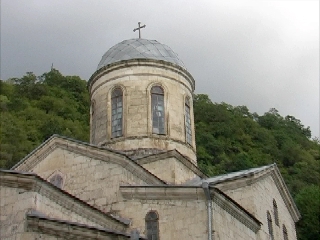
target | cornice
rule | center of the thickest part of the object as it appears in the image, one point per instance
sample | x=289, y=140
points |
x=91, y=151
x=235, y=210
x=285, y=194
x=167, y=192
x=141, y=62
x=274, y=172
x=150, y=136
x=33, y=183
x=70, y=230
x=170, y=192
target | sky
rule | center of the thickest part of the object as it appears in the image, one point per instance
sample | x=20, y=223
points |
x=260, y=54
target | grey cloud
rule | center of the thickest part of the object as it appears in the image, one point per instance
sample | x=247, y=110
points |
x=261, y=54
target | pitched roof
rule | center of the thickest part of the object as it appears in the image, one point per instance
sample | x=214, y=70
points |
x=85, y=149
x=236, y=175
x=32, y=182
x=257, y=173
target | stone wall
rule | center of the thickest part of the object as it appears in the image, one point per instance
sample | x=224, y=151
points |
x=16, y=202
x=257, y=198
x=136, y=79
x=182, y=215
x=227, y=227
x=175, y=172
x=93, y=181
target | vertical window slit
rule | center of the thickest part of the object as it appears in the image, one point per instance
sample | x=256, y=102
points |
x=157, y=107
x=117, y=113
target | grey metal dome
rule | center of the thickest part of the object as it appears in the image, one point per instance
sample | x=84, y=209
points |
x=139, y=48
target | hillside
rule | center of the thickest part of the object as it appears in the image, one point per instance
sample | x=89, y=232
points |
x=228, y=138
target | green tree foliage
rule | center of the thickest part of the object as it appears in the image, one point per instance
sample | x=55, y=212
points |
x=228, y=138
x=231, y=138
x=308, y=202
x=34, y=108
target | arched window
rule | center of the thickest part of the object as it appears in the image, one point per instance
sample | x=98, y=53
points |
x=275, y=212
x=188, y=122
x=93, y=120
x=285, y=232
x=117, y=107
x=270, y=228
x=157, y=108
x=152, y=225
x=56, y=180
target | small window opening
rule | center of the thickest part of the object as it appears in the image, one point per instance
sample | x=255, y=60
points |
x=56, y=180
x=152, y=225
x=275, y=212
x=158, y=113
x=117, y=110
x=285, y=233
x=270, y=228
x=188, y=122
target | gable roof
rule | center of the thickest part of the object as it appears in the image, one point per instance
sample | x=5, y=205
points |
x=85, y=149
x=236, y=175
x=34, y=183
x=257, y=174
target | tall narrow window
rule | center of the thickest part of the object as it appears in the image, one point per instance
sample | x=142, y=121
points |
x=188, y=122
x=152, y=226
x=117, y=107
x=93, y=121
x=157, y=106
x=275, y=212
x=285, y=232
x=270, y=228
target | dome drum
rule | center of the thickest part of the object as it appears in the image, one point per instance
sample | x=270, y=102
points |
x=142, y=103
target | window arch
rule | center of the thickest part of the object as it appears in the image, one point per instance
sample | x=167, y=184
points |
x=188, y=130
x=117, y=112
x=270, y=228
x=56, y=179
x=285, y=232
x=275, y=212
x=152, y=225
x=157, y=109
x=93, y=120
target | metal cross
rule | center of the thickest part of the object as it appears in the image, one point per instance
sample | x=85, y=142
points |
x=138, y=28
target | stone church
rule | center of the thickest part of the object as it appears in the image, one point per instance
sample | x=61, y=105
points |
x=138, y=177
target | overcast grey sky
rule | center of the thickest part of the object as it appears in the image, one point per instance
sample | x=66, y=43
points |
x=261, y=54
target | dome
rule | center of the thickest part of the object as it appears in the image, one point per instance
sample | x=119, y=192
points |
x=139, y=48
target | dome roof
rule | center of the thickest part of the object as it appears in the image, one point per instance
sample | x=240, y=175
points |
x=139, y=48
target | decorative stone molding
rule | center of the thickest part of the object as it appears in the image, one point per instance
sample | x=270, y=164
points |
x=145, y=63
x=161, y=192
x=285, y=194
x=85, y=149
x=70, y=230
x=235, y=210
x=252, y=178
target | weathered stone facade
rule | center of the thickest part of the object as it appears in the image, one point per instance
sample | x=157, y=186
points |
x=136, y=78
x=26, y=197
x=109, y=188
x=270, y=190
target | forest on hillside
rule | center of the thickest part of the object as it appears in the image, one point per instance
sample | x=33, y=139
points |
x=229, y=138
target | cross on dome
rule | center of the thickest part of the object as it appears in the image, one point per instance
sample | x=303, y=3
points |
x=138, y=28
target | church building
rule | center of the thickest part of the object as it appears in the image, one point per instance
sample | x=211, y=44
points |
x=138, y=177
